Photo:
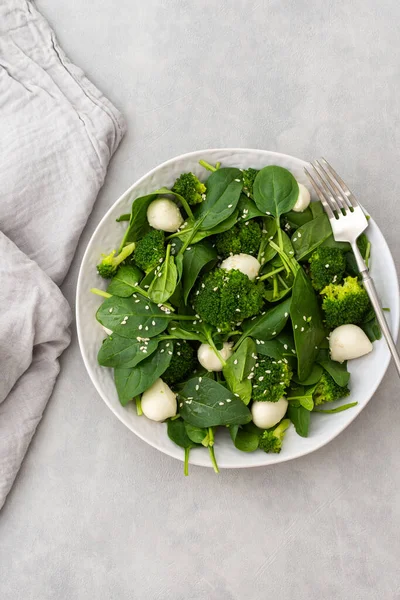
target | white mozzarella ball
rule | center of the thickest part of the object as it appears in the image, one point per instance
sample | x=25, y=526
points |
x=303, y=200
x=163, y=214
x=108, y=331
x=159, y=401
x=209, y=360
x=245, y=263
x=347, y=342
x=268, y=414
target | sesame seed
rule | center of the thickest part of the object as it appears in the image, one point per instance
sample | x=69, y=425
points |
x=140, y=327
x=235, y=362
x=200, y=379
x=327, y=266
x=162, y=350
x=230, y=205
x=298, y=234
x=172, y=328
x=267, y=212
x=147, y=307
x=153, y=323
x=302, y=329
x=197, y=387
x=146, y=328
x=282, y=383
x=136, y=301
x=268, y=371
x=167, y=345
x=250, y=376
x=304, y=318
x=286, y=314
x=110, y=310
x=221, y=403
x=169, y=352
x=295, y=326
x=238, y=180
x=229, y=400
x=181, y=404
x=215, y=289
x=261, y=378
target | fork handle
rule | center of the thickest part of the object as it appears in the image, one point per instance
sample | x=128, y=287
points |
x=373, y=296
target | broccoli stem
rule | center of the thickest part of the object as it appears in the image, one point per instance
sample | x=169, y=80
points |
x=213, y=459
x=139, y=411
x=100, y=293
x=271, y=273
x=186, y=463
x=209, y=167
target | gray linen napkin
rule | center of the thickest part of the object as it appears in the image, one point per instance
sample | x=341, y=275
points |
x=57, y=135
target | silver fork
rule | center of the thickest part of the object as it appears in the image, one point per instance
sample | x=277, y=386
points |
x=348, y=221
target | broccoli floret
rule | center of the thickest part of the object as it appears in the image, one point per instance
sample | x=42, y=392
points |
x=249, y=176
x=222, y=298
x=243, y=237
x=270, y=379
x=271, y=439
x=327, y=265
x=150, y=250
x=346, y=303
x=328, y=390
x=183, y=362
x=188, y=186
x=109, y=265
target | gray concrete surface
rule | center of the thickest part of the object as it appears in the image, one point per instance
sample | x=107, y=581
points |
x=95, y=512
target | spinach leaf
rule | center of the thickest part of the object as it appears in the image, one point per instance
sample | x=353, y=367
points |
x=316, y=209
x=248, y=209
x=313, y=377
x=138, y=224
x=308, y=237
x=132, y=382
x=205, y=403
x=117, y=351
x=338, y=371
x=194, y=259
x=246, y=441
x=280, y=347
x=124, y=282
x=124, y=217
x=372, y=330
x=134, y=317
x=302, y=395
x=198, y=435
x=238, y=367
x=187, y=331
x=297, y=219
x=178, y=434
x=275, y=191
x=300, y=418
x=224, y=187
x=268, y=325
x=308, y=328
x=164, y=283
x=194, y=237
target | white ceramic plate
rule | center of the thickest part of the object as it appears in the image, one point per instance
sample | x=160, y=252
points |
x=366, y=373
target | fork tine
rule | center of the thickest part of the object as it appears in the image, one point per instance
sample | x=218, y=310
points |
x=324, y=201
x=331, y=189
x=339, y=181
x=327, y=192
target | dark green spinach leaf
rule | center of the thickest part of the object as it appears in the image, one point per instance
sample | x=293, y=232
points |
x=125, y=281
x=164, y=283
x=308, y=328
x=338, y=371
x=268, y=325
x=246, y=441
x=300, y=418
x=117, y=351
x=134, y=381
x=205, y=403
x=275, y=191
x=194, y=259
x=224, y=187
x=238, y=367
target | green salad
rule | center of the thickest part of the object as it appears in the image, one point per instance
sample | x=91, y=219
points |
x=229, y=304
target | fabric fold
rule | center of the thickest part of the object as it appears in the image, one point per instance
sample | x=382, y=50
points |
x=57, y=136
